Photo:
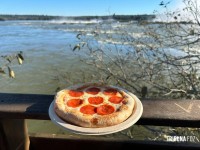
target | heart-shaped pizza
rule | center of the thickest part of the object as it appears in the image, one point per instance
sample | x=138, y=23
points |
x=93, y=105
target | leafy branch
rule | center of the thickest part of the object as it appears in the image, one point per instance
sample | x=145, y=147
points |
x=8, y=60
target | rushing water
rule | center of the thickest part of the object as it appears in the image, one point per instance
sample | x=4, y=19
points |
x=47, y=48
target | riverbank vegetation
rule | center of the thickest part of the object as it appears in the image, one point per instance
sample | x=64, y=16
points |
x=123, y=18
x=27, y=17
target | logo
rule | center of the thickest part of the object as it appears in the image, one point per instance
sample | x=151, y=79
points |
x=193, y=139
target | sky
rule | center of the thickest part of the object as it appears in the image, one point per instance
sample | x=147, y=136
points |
x=81, y=7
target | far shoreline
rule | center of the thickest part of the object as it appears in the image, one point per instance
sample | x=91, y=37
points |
x=123, y=18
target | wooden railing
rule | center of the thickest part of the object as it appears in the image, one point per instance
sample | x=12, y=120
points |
x=15, y=108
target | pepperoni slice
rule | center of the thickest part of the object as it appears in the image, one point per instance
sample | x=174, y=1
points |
x=74, y=102
x=88, y=109
x=95, y=100
x=93, y=90
x=105, y=109
x=110, y=91
x=115, y=99
x=75, y=93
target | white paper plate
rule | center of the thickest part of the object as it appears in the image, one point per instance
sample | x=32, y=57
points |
x=137, y=113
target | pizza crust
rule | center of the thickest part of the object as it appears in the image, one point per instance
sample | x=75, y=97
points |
x=74, y=116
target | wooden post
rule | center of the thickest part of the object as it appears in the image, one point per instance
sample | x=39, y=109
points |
x=13, y=134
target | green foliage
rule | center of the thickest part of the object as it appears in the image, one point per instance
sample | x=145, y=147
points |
x=121, y=18
x=46, y=17
x=27, y=17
